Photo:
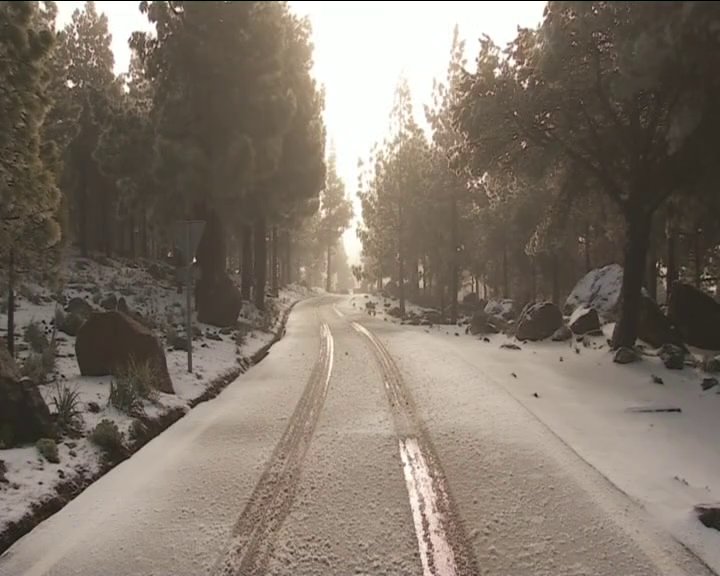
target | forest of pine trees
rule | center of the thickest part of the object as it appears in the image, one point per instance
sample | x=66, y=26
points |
x=589, y=140
x=218, y=119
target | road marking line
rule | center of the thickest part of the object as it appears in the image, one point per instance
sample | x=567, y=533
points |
x=429, y=500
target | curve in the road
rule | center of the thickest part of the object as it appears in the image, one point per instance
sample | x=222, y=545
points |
x=442, y=542
x=254, y=534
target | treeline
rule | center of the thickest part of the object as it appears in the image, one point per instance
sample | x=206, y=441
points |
x=588, y=140
x=218, y=119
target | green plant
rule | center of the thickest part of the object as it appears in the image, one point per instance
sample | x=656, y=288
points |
x=66, y=402
x=48, y=449
x=37, y=366
x=35, y=336
x=108, y=438
x=132, y=384
x=124, y=397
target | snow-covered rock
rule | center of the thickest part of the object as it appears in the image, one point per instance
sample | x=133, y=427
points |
x=598, y=289
x=539, y=321
x=584, y=320
x=504, y=308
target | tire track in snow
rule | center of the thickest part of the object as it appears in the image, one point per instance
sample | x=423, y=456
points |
x=253, y=536
x=442, y=542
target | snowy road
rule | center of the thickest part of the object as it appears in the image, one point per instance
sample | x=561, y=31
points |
x=356, y=447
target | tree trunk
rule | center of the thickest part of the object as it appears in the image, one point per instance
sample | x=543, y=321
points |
x=287, y=260
x=401, y=262
x=246, y=272
x=555, y=280
x=453, y=260
x=652, y=271
x=328, y=269
x=260, y=270
x=587, y=247
x=274, y=266
x=415, y=279
x=698, y=259
x=533, y=281
x=82, y=211
x=133, y=247
x=11, y=304
x=143, y=236
x=672, y=269
x=636, y=247
x=506, y=285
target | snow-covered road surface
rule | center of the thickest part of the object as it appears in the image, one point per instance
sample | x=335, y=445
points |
x=307, y=466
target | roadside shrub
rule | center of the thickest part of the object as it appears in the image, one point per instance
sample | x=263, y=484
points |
x=35, y=336
x=66, y=402
x=48, y=449
x=132, y=385
x=38, y=366
x=108, y=438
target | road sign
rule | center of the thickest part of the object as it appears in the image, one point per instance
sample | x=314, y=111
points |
x=187, y=238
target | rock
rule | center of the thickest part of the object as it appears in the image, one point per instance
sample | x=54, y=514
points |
x=107, y=342
x=697, y=316
x=218, y=301
x=3, y=471
x=539, y=321
x=625, y=356
x=510, y=346
x=72, y=454
x=504, y=309
x=657, y=379
x=709, y=515
x=71, y=323
x=598, y=289
x=708, y=383
x=109, y=302
x=213, y=336
x=673, y=357
x=179, y=342
x=431, y=317
x=80, y=307
x=24, y=416
x=481, y=324
x=122, y=305
x=584, y=320
x=486, y=339
x=654, y=327
x=395, y=312
x=562, y=334
x=226, y=331
x=712, y=365
x=93, y=407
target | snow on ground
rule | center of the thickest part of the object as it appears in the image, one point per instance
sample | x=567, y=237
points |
x=149, y=290
x=666, y=461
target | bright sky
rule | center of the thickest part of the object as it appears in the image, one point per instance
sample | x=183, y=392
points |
x=361, y=50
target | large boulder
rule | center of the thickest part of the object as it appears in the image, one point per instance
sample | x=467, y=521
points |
x=539, y=321
x=79, y=307
x=24, y=416
x=504, y=309
x=108, y=341
x=481, y=323
x=696, y=315
x=654, y=327
x=584, y=320
x=598, y=289
x=218, y=301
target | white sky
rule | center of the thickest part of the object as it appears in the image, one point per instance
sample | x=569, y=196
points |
x=361, y=50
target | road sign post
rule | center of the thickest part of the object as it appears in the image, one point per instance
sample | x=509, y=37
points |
x=187, y=239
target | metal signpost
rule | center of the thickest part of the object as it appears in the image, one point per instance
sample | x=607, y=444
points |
x=187, y=239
